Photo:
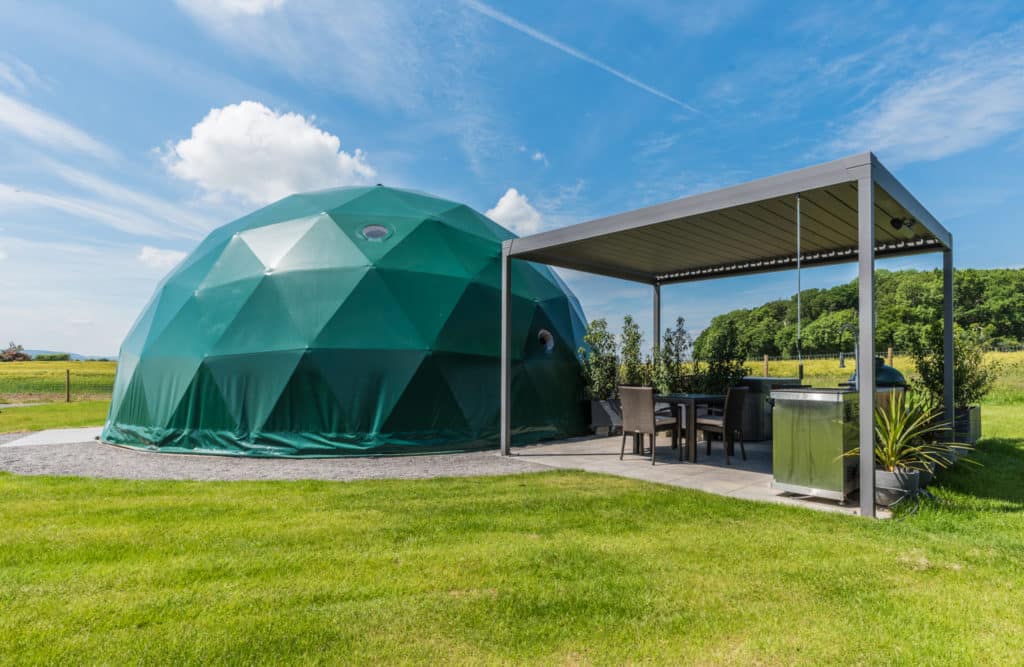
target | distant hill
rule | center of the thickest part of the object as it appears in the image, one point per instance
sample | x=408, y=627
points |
x=74, y=357
x=907, y=303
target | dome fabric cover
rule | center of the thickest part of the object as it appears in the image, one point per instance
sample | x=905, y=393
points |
x=350, y=321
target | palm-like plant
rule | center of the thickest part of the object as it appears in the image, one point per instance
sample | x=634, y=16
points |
x=907, y=434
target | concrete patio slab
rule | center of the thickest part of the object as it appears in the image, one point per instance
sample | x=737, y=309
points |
x=748, y=480
x=57, y=436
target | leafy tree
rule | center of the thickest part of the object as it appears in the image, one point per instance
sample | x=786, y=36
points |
x=632, y=371
x=720, y=364
x=599, y=362
x=668, y=366
x=907, y=304
x=14, y=352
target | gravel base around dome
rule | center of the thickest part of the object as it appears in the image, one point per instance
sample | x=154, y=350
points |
x=94, y=459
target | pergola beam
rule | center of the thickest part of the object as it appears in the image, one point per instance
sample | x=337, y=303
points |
x=888, y=182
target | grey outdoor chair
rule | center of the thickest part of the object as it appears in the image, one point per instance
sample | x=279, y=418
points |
x=729, y=424
x=639, y=418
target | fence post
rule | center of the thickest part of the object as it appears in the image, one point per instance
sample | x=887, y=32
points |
x=67, y=385
x=888, y=356
x=766, y=365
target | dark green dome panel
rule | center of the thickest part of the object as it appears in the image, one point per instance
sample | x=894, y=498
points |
x=347, y=322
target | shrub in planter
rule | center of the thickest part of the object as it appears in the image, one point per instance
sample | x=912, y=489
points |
x=973, y=376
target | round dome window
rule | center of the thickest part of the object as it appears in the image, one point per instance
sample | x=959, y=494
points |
x=545, y=338
x=375, y=232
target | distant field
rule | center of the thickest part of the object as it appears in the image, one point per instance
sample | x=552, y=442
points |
x=43, y=381
x=1009, y=388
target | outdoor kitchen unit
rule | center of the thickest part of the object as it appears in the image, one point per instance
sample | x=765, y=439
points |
x=812, y=430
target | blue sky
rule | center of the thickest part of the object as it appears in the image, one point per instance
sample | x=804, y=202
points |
x=129, y=130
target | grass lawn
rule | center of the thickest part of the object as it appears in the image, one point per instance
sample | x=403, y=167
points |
x=557, y=567
x=53, y=415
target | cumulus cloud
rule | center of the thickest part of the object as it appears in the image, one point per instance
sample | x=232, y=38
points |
x=515, y=212
x=259, y=155
x=974, y=98
x=159, y=258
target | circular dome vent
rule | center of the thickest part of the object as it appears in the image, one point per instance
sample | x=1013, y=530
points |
x=375, y=232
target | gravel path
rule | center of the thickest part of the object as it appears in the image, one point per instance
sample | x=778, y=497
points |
x=93, y=459
x=8, y=437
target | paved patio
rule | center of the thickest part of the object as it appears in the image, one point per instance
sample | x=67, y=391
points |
x=750, y=479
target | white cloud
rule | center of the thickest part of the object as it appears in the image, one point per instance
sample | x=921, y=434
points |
x=42, y=128
x=515, y=212
x=111, y=215
x=540, y=157
x=974, y=98
x=255, y=153
x=17, y=74
x=374, y=51
x=159, y=258
x=3, y=254
x=230, y=7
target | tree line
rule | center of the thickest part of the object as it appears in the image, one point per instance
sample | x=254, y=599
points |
x=908, y=304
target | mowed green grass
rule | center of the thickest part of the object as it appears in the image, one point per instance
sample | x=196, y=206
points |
x=53, y=415
x=555, y=567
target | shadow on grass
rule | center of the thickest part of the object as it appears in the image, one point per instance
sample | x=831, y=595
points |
x=998, y=477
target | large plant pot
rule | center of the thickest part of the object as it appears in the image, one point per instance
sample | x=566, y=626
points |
x=892, y=487
x=968, y=424
x=606, y=416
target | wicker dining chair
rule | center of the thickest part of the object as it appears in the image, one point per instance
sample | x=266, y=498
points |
x=639, y=418
x=729, y=424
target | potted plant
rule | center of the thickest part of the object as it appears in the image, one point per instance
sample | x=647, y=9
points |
x=908, y=443
x=973, y=376
x=600, y=367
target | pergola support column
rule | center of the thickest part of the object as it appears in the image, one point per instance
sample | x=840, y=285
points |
x=866, y=342
x=657, y=321
x=505, y=426
x=949, y=378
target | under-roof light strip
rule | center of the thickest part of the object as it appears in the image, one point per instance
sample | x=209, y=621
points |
x=789, y=260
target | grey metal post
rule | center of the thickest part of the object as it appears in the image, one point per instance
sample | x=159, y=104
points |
x=505, y=427
x=657, y=321
x=866, y=321
x=947, y=340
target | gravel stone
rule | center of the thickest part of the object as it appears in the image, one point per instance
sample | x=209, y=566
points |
x=95, y=459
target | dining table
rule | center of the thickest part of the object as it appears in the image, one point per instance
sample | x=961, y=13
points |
x=684, y=406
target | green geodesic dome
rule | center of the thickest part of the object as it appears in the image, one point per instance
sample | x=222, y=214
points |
x=347, y=322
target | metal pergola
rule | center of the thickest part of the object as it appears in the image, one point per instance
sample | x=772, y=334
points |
x=851, y=210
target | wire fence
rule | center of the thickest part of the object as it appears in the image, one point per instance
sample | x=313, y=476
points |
x=50, y=381
x=849, y=354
